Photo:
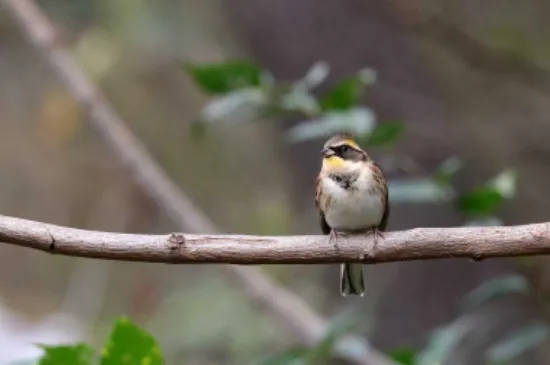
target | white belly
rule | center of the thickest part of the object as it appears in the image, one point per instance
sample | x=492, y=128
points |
x=352, y=210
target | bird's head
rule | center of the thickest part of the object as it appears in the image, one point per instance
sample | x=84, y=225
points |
x=341, y=152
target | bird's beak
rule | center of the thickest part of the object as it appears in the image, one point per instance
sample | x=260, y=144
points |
x=326, y=152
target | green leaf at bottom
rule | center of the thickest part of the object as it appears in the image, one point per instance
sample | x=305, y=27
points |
x=80, y=354
x=130, y=345
x=404, y=356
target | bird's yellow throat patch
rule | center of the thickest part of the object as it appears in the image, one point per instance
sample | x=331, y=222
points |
x=333, y=162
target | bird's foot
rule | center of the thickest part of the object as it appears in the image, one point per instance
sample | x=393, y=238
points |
x=378, y=234
x=333, y=239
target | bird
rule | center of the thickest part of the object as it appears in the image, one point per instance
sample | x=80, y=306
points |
x=351, y=198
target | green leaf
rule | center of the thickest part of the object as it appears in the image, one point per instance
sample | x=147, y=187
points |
x=517, y=343
x=128, y=344
x=80, y=354
x=385, y=134
x=357, y=121
x=221, y=78
x=496, y=288
x=404, y=356
x=485, y=200
x=345, y=95
x=480, y=202
x=447, y=170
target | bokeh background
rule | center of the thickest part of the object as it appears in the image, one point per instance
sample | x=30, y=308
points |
x=468, y=79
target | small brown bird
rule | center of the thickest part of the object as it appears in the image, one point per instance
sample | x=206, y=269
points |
x=352, y=198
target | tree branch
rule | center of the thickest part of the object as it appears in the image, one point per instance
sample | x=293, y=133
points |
x=181, y=248
x=288, y=309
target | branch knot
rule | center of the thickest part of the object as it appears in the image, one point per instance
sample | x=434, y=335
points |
x=176, y=241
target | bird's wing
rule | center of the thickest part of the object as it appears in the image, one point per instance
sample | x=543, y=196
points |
x=379, y=176
x=321, y=202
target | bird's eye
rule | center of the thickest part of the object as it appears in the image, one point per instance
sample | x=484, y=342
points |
x=345, y=148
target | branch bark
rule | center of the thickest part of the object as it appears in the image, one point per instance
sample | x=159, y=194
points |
x=287, y=308
x=181, y=248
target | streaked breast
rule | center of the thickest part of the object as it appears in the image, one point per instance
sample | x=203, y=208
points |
x=358, y=208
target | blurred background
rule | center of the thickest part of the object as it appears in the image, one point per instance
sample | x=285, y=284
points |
x=463, y=85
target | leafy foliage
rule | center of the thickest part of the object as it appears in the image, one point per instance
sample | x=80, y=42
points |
x=480, y=202
x=346, y=94
x=436, y=188
x=485, y=200
x=444, y=340
x=221, y=78
x=127, y=344
x=235, y=107
x=360, y=121
x=244, y=93
x=404, y=356
x=80, y=354
x=343, y=96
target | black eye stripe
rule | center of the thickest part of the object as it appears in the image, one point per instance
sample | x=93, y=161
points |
x=344, y=148
x=348, y=152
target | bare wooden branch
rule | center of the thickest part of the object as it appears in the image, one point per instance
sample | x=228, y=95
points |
x=181, y=248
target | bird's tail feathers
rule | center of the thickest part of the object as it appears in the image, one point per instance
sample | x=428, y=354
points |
x=351, y=280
